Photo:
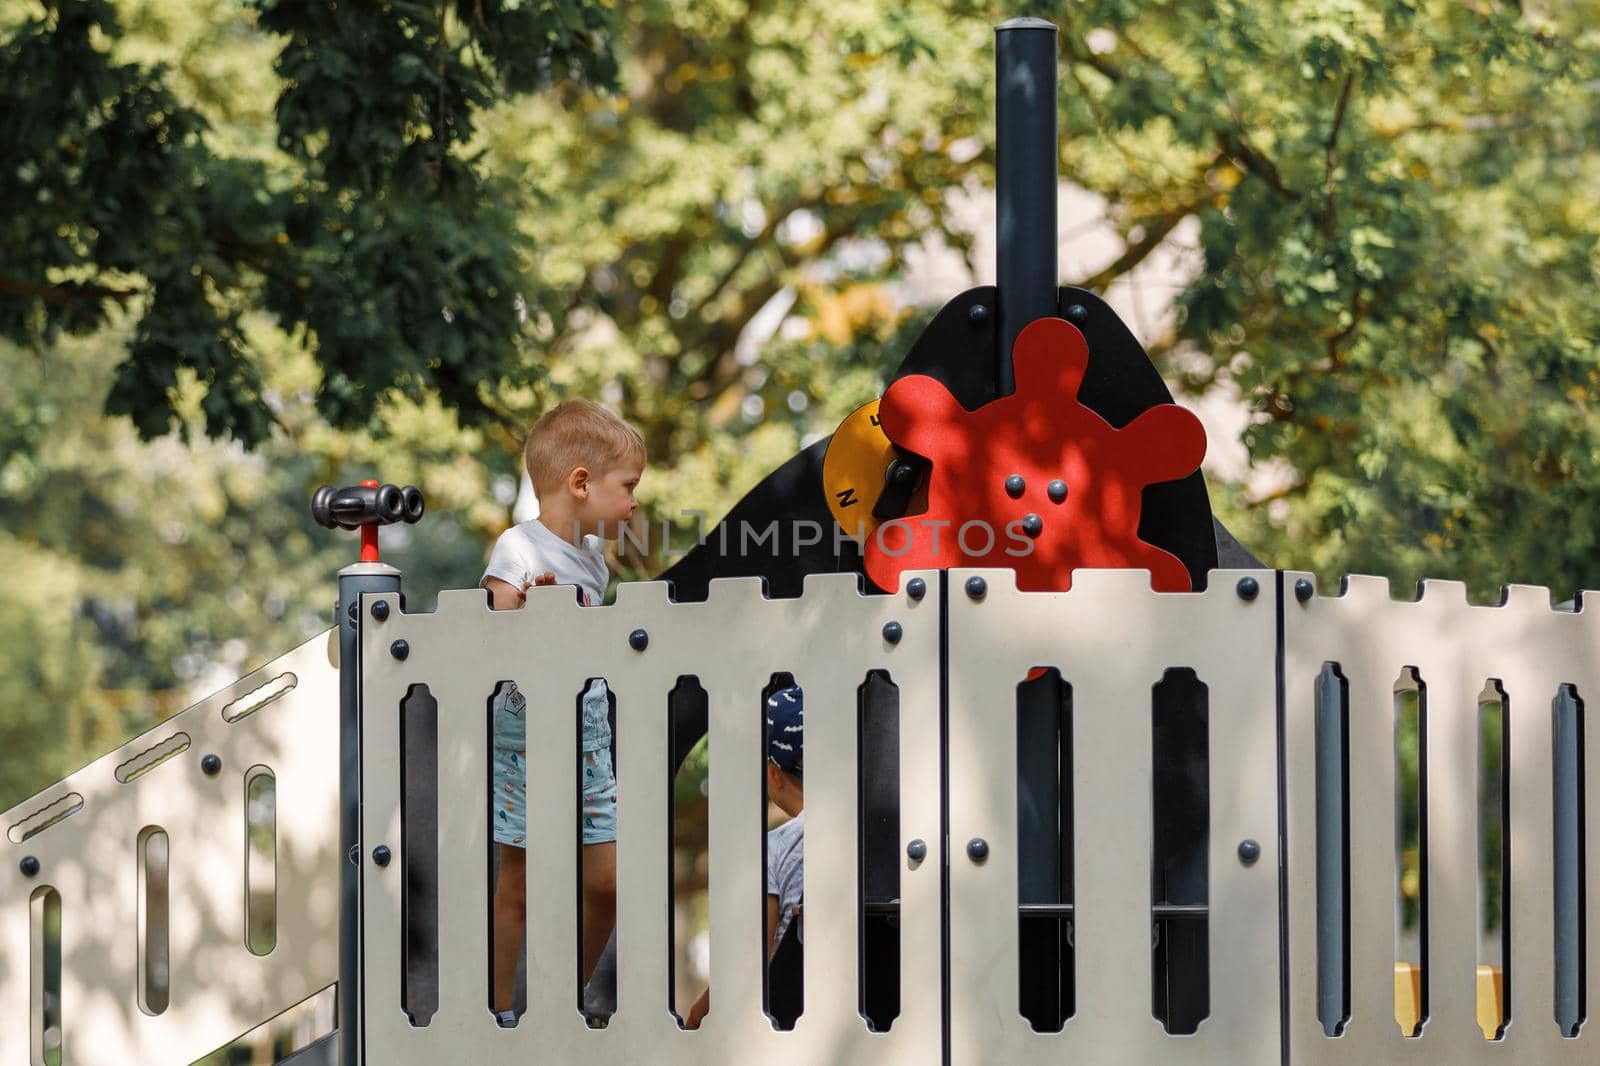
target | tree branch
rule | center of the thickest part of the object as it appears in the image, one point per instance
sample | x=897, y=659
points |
x=1332, y=153
x=66, y=293
x=1156, y=231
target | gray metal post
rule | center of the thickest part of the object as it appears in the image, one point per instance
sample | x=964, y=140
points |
x=1025, y=249
x=1568, y=860
x=1332, y=1008
x=1025, y=180
x=353, y=581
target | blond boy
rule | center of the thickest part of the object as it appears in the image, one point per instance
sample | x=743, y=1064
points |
x=585, y=463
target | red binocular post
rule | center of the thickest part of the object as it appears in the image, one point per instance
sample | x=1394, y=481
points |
x=366, y=507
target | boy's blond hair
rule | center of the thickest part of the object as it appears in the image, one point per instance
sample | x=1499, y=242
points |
x=578, y=433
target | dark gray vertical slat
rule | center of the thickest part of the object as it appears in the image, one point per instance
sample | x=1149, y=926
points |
x=1568, y=866
x=1332, y=987
x=1025, y=181
x=353, y=581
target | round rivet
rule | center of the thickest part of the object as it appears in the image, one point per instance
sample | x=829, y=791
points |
x=211, y=765
x=916, y=588
x=1057, y=491
x=1304, y=589
x=380, y=610
x=29, y=866
x=638, y=640
x=977, y=849
x=1248, y=588
x=1032, y=525
x=916, y=851
x=978, y=314
x=977, y=587
x=1249, y=851
x=354, y=855
x=892, y=632
x=381, y=855
x=1015, y=486
x=400, y=649
x=353, y=612
x=1077, y=314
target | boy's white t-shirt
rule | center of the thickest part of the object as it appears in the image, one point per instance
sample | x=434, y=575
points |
x=528, y=549
x=786, y=869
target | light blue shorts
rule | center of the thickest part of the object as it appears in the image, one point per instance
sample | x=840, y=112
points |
x=510, y=805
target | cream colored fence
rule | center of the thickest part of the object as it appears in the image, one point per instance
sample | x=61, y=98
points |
x=154, y=862
x=829, y=640
x=1243, y=659
x=194, y=875
x=1533, y=660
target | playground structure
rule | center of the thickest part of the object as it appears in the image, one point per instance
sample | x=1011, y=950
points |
x=1084, y=820
x=1300, y=892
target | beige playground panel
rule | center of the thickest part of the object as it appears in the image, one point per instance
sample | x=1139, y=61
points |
x=1112, y=638
x=829, y=639
x=286, y=721
x=1455, y=648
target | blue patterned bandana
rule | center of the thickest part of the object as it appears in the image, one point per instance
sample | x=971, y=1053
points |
x=786, y=730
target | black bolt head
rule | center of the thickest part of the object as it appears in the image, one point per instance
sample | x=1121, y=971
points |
x=916, y=588
x=400, y=649
x=978, y=314
x=1057, y=491
x=916, y=851
x=381, y=855
x=1304, y=589
x=211, y=765
x=977, y=587
x=29, y=866
x=1248, y=588
x=380, y=610
x=1249, y=851
x=638, y=640
x=977, y=849
x=1077, y=314
x=892, y=632
x=1032, y=525
x=1015, y=485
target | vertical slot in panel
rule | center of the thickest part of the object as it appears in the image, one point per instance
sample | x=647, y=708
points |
x=419, y=831
x=878, y=841
x=1411, y=974
x=689, y=857
x=154, y=955
x=261, y=860
x=45, y=1028
x=508, y=813
x=1180, y=865
x=596, y=828
x=1570, y=891
x=783, y=850
x=1045, y=972
x=1333, y=849
x=1493, y=1001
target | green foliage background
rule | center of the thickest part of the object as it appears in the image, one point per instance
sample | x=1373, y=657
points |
x=251, y=247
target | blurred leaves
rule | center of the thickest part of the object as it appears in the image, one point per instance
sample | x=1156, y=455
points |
x=288, y=242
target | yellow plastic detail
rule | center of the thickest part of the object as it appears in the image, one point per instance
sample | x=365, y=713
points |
x=1491, y=1001
x=1407, y=996
x=853, y=469
x=1490, y=1010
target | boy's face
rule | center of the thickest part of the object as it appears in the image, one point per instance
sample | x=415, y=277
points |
x=610, y=501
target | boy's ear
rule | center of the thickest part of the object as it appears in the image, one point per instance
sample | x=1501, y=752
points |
x=774, y=776
x=578, y=482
